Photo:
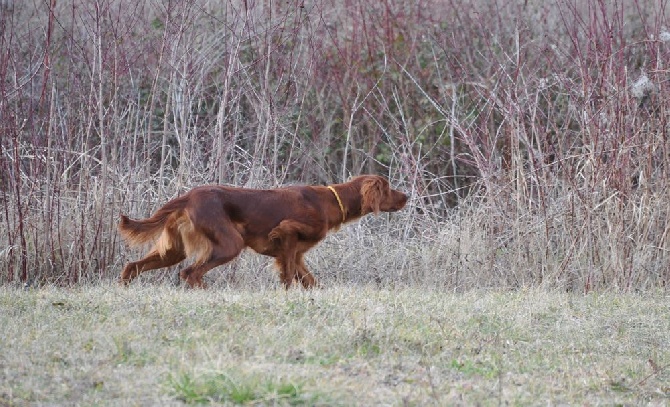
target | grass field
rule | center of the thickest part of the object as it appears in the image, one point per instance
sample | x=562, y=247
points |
x=344, y=345
x=531, y=265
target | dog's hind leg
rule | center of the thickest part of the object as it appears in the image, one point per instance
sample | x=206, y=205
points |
x=151, y=261
x=226, y=244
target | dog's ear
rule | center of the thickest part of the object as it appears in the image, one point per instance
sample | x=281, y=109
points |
x=372, y=192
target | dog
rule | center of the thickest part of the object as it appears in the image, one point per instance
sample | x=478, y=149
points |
x=214, y=223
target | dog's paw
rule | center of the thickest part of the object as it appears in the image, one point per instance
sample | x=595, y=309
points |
x=275, y=234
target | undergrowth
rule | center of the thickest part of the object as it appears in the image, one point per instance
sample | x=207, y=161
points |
x=531, y=136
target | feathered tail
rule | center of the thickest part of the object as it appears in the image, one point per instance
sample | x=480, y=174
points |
x=137, y=232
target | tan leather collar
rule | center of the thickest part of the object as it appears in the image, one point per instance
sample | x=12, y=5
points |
x=339, y=201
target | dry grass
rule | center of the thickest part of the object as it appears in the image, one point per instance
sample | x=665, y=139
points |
x=344, y=345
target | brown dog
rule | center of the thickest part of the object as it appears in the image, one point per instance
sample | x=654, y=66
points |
x=215, y=223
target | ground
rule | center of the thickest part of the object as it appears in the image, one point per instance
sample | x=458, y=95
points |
x=344, y=345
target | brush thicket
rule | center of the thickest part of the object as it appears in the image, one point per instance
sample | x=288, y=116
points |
x=532, y=135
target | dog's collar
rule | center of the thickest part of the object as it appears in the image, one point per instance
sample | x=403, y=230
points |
x=339, y=202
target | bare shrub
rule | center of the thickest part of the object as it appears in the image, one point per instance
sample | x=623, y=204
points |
x=531, y=135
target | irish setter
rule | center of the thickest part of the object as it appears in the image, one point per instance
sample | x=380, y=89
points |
x=213, y=224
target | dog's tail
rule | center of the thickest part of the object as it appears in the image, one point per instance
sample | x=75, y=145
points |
x=137, y=232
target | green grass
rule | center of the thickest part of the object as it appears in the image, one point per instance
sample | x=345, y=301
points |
x=148, y=345
x=224, y=387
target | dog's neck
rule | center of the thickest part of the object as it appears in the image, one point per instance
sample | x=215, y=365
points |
x=339, y=202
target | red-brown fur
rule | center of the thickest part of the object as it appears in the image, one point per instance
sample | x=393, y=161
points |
x=213, y=224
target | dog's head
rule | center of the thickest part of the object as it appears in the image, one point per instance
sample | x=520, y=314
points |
x=378, y=196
